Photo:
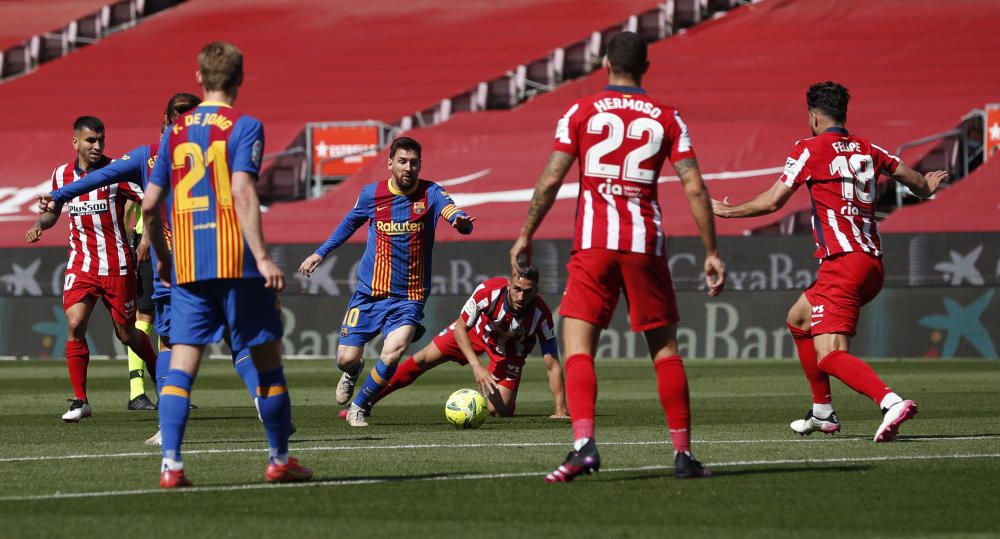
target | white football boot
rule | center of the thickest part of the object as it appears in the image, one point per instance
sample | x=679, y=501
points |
x=78, y=409
x=892, y=418
x=810, y=424
x=345, y=387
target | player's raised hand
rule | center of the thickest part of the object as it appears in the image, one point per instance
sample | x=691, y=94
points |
x=33, y=234
x=45, y=203
x=274, y=278
x=310, y=264
x=715, y=275
x=463, y=223
x=720, y=207
x=934, y=179
x=520, y=254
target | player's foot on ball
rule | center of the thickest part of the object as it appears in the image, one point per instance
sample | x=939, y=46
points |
x=686, y=467
x=892, y=418
x=78, y=409
x=170, y=479
x=585, y=461
x=287, y=473
x=356, y=416
x=156, y=439
x=811, y=424
x=345, y=387
x=141, y=402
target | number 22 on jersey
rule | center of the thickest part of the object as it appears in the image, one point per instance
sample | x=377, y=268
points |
x=190, y=155
x=637, y=129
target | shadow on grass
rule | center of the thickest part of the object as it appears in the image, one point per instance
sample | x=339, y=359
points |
x=756, y=471
x=293, y=441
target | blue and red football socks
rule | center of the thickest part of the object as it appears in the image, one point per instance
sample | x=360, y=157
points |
x=275, y=405
x=162, y=368
x=406, y=373
x=175, y=400
x=245, y=368
x=377, y=379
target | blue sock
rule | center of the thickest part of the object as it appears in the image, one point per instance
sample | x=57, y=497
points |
x=245, y=368
x=276, y=412
x=162, y=367
x=377, y=379
x=175, y=397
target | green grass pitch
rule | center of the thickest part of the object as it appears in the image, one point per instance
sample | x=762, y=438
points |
x=411, y=474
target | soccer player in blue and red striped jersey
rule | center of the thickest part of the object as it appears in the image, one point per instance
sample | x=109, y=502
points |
x=221, y=273
x=135, y=167
x=394, y=275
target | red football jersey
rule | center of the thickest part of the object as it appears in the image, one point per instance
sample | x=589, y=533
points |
x=621, y=138
x=97, y=241
x=841, y=171
x=488, y=314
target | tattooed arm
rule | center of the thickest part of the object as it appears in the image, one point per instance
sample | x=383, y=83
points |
x=545, y=195
x=701, y=208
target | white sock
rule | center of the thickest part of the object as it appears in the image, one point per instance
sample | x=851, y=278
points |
x=822, y=411
x=890, y=400
x=277, y=458
x=174, y=465
x=578, y=444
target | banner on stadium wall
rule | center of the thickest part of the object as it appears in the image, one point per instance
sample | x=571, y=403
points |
x=341, y=148
x=992, y=130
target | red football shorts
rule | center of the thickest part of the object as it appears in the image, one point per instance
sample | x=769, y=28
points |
x=597, y=275
x=117, y=291
x=506, y=369
x=846, y=282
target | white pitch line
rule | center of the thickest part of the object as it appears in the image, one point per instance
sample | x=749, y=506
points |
x=463, y=477
x=397, y=447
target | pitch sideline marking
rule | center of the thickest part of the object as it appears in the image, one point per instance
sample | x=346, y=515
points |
x=463, y=477
x=475, y=446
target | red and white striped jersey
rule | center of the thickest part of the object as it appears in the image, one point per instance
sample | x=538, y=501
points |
x=488, y=314
x=621, y=138
x=97, y=241
x=841, y=171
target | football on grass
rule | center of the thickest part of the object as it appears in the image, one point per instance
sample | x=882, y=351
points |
x=466, y=409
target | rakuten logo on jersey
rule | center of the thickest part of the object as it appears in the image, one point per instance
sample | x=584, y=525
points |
x=394, y=228
x=88, y=207
x=619, y=190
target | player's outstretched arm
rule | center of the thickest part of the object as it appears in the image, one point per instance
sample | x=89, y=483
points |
x=541, y=201
x=555, y=373
x=767, y=202
x=701, y=208
x=248, y=211
x=921, y=185
x=487, y=383
x=45, y=221
x=347, y=227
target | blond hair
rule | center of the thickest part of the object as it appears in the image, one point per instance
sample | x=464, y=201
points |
x=221, y=66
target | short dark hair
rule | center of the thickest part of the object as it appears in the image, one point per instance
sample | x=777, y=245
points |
x=528, y=272
x=627, y=54
x=88, y=122
x=404, y=143
x=179, y=104
x=829, y=98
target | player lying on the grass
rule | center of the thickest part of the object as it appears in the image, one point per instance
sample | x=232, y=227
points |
x=100, y=265
x=503, y=318
x=840, y=170
x=135, y=167
x=394, y=275
x=222, y=277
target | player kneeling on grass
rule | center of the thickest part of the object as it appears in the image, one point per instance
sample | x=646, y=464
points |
x=503, y=318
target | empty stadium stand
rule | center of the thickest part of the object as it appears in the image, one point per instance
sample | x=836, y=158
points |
x=971, y=205
x=305, y=61
x=740, y=82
